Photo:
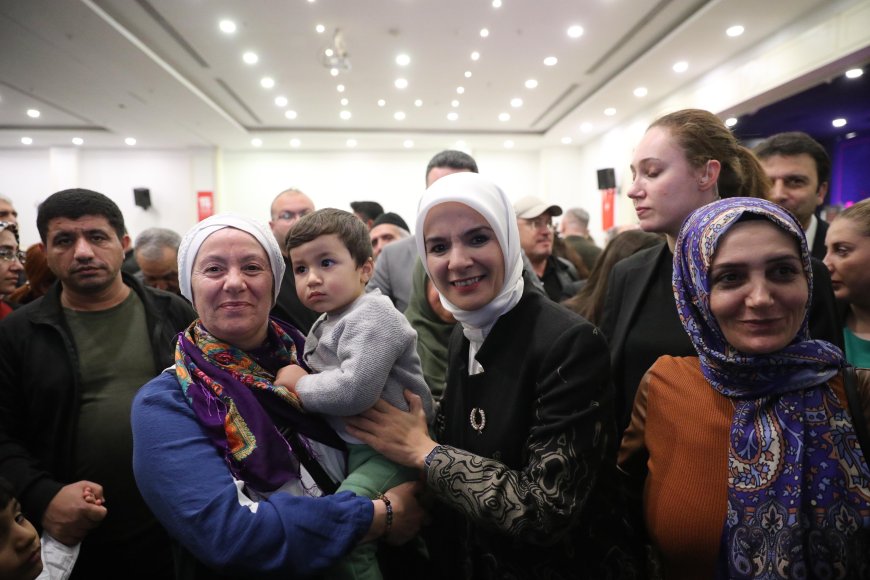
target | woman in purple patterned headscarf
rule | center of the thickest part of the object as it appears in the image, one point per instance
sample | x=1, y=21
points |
x=748, y=454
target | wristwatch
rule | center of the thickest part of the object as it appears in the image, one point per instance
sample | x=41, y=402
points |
x=431, y=455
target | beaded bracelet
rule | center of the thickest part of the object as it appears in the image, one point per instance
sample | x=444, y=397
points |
x=389, y=507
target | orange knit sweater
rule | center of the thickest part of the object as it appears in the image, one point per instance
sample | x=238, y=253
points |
x=685, y=431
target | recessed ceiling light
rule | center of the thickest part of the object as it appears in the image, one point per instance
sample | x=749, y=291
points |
x=345, y=102
x=250, y=57
x=516, y=102
x=333, y=72
x=403, y=60
x=609, y=111
x=408, y=143
x=401, y=83
x=328, y=52
x=418, y=103
x=295, y=143
x=496, y=3
x=267, y=82
x=551, y=61
x=345, y=115
x=531, y=84
x=33, y=113
x=508, y=144
x=281, y=101
x=585, y=127
x=291, y=114
x=382, y=103
x=730, y=121
x=256, y=142
x=851, y=135
x=130, y=141
x=227, y=26
x=350, y=143
x=452, y=116
x=681, y=66
x=460, y=90
x=575, y=31
x=504, y=117
x=320, y=29
x=26, y=141
x=484, y=32
x=640, y=92
x=311, y=1
x=399, y=115
x=735, y=31
x=454, y=103
x=340, y=88
x=567, y=140
x=854, y=73
x=839, y=122
x=475, y=55
x=468, y=74
x=78, y=141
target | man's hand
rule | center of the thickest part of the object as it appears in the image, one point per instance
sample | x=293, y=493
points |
x=70, y=516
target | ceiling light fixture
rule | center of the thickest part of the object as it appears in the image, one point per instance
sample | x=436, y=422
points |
x=496, y=3
x=475, y=55
x=730, y=121
x=567, y=140
x=320, y=29
x=344, y=102
x=484, y=32
x=26, y=141
x=460, y=90
x=345, y=115
x=350, y=143
x=735, y=31
x=640, y=92
x=504, y=117
x=403, y=60
x=854, y=73
x=267, y=82
x=468, y=74
x=227, y=26
x=839, y=122
x=382, y=103
x=130, y=141
x=454, y=103
x=256, y=142
x=408, y=143
x=452, y=116
x=33, y=113
x=531, y=84
x=399, y=115
x=250, y=57
x=609, y=111
x=340, y=88
x=575, y=31
x=295, y=143
x=508, y=144
x=516, y=102
x=681, y=66
x=551, y=61
x=281, y=101
x=78, y=141
x=418, y=103
x=401, y=83
x=335, y=57
x=291, y=114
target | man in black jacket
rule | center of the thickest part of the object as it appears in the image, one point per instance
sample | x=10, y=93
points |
x=70, y=363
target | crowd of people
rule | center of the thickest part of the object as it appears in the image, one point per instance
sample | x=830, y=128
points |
x=491, y=396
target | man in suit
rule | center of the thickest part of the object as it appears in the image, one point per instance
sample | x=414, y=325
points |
x=395, y=265
x=287, y=208
x=800, y=170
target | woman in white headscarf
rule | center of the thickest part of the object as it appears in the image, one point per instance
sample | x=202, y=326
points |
x=228, y=462
x=525, y=459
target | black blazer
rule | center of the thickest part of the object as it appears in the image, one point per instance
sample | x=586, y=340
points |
x=630, y=279
x=818, y=249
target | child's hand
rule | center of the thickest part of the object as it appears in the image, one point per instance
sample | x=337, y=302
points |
x=288, y=377
x=90, y=496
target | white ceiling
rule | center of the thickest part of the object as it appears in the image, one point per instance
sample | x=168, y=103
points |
x=161, y=71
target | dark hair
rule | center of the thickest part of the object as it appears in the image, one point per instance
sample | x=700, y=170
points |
x=7, y=493
x=859, y=213
x=392, y=219
x=370, y=209
x=350, y=230
x=75, y=203
x=454, y=160
x=39, y=277
x=703, y=136
x=589, y=302
x=797, y=143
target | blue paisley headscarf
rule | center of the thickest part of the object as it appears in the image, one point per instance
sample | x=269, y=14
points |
x=798, y=482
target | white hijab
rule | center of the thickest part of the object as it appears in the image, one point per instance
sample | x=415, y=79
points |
x=197, y=235
x=488, y=200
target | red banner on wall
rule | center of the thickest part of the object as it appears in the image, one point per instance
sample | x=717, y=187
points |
x=204, y=204
x=607, y=200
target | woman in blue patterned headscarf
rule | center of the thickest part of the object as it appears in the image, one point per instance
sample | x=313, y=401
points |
x=794, y=498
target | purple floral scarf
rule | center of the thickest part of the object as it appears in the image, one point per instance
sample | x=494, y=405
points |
x=798, y=483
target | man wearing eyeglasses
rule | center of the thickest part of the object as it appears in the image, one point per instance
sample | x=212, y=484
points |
x=287, y=209
x=535, y=222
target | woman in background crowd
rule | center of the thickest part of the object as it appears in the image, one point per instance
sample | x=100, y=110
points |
x=39, y=276
x=747, y=455
x=684, y=161
x=848, y=260
x=11, y=265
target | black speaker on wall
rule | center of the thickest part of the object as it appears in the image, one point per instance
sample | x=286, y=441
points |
x=606, y=178
x=142, y=197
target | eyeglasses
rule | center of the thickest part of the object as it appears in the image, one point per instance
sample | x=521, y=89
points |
x=11, y=255
x=289, y=216
x=539, y=223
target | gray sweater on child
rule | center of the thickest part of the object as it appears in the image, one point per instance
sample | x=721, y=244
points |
x=363, y=353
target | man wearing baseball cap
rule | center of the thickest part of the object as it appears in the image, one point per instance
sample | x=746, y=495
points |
x=535, y=222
